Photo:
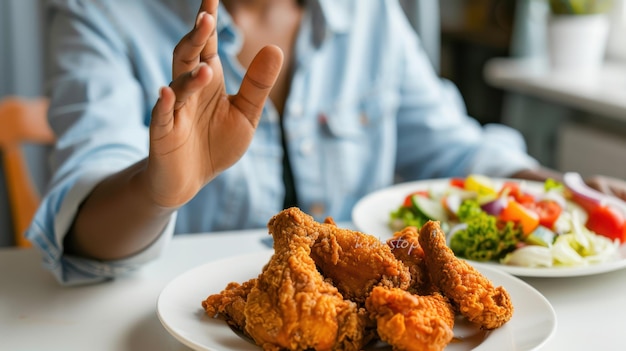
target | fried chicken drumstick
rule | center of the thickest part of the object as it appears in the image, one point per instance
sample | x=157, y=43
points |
x=292, y=306
x=472, y=293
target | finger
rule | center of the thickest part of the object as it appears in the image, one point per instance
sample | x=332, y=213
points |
x=620, y=193
x=608, y=186
x=188, y=51
x=596, y=183
x=258, y=82
x=210, y=49
x=618, y=189
x=189, y=83
x=163, y=114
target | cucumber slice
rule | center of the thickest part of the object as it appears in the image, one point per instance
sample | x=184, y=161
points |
x=541, y=236
x=430, y=208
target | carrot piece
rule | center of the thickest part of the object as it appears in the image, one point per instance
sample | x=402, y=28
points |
x=515, y=212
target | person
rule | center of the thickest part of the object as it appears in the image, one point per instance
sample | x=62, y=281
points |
x=186, y=116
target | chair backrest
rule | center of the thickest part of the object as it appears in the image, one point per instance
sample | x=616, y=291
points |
x=22, y=121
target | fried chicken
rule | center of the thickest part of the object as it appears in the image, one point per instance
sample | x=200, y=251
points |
x=411, y=322
x=355, y=262
x=292, y=306
x=230, y=303
x=406, y=247
x=327, y=288
x=471, y=293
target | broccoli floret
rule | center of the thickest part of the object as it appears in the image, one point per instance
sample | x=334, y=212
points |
x=468, y=209
x=408, y=216
x=485, y=238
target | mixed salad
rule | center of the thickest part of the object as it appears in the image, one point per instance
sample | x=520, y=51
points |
x=520, y=223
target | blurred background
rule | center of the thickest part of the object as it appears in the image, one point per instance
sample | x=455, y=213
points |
x=462, y=38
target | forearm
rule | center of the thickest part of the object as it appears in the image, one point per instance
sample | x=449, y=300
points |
x=118, y=218
x=538, y=174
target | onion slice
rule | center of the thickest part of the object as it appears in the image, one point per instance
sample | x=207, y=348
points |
x=496, y=206
x=588, y=197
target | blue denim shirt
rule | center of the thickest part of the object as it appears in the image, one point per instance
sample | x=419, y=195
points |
x=365, y=110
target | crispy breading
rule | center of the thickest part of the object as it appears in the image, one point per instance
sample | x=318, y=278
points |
x=327, y=288
x=406, y=247
x=292, y=306
x=471, y=293
x=411, y=322
x=354, y=261
x=230, y=303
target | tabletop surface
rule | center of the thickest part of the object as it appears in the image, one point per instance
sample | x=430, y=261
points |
x=36, y=313
x=601, y=92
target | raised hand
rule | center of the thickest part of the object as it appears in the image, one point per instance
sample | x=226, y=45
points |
x=197, y=130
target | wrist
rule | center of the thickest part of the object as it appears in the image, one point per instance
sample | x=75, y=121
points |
x=143, y=187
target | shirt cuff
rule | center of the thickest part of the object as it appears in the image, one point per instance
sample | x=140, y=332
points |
x=502, y=153
x=77, y=271
x=72, y=270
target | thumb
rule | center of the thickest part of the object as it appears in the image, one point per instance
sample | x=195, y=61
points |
x=258, y=82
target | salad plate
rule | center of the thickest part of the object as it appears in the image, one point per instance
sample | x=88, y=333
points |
x=179, y=310
x=371, y=215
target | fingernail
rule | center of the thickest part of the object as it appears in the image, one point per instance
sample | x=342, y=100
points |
x=200, y=17
x=161, y=92
x=195, y=71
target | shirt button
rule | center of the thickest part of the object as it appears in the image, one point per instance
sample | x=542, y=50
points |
x=364, y=119
x=306, y=147
x=296, y=110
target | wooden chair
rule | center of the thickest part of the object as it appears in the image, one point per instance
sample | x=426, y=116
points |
x=22, y=121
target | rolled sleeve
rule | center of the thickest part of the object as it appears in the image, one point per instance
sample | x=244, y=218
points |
x=59, y=215
x=501, y=153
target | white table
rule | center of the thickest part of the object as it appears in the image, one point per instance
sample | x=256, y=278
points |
x=602, y=92
x=38, y=314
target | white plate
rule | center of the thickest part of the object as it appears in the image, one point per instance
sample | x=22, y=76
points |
x=371, y=215
x=179, y=310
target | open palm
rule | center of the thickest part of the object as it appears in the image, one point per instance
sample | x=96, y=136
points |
x=197, y=130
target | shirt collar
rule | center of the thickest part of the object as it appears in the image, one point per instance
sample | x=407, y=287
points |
x=224, y=21
x=228, y=34
x=337, y=14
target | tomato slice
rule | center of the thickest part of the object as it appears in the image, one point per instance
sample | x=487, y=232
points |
x=607, y=221
x=516, y=192
x=407, y=200
x=548, y=211
x=586, y=203
x=457, y=182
